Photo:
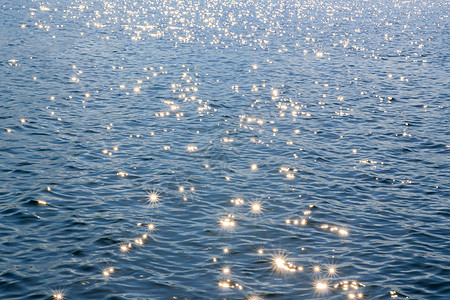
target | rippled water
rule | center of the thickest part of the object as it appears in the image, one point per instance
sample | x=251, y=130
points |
x=224, y=149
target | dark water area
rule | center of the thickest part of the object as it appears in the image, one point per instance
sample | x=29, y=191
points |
x=224, y=149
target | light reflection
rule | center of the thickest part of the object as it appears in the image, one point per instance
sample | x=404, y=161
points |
x=256, y=208
x=192, y=148
x=340, y=231
x=237, y=201
x=228, y=284
x=316, y=269
x=254, y=298
x=349, y=285
x=332, y=271
x=281, y=264
x=343, y=232
x=355, y=296
x=228, y=222
x=125, y=248
x=321, y=286
x=290, y=176
x=108, y=271
x=153, y=198
x=179, y=21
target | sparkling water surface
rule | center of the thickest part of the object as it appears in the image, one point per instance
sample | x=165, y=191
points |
x=224, y=149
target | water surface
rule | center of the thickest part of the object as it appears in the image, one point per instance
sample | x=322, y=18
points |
x=224, y=149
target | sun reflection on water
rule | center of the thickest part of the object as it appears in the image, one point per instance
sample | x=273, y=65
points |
x=210, y=88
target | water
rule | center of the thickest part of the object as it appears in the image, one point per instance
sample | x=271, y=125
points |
x=224, y=149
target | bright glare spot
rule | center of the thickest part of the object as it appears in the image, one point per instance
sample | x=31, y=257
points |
x=58, y=296
x=124, y=248
x=279, y=262
x=228, y=222
x=256, y=207
x=153, y=198
x=290, y=176
x=151, y=226
x=237, y=201
x=228, y=284
x=192, y=148
x=321, y=286
x=343, y=232
x=254, y=167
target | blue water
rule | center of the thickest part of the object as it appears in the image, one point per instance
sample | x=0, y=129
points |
x=224, y=149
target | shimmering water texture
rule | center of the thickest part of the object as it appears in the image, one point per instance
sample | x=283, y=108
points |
x=224, y=149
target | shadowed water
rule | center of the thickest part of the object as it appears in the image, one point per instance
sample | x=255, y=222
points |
x=224, y=149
